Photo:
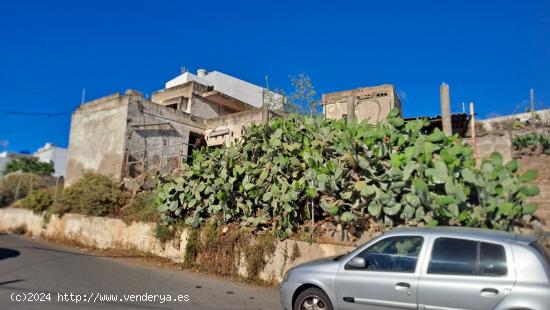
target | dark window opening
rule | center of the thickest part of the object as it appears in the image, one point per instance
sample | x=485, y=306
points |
x=173, y=106
x=196, y=142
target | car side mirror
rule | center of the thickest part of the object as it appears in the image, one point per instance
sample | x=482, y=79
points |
x=357, y=262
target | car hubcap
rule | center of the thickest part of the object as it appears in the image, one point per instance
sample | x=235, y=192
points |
x=313, y=303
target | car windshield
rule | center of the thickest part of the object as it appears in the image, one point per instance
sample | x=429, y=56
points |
x=543, y=247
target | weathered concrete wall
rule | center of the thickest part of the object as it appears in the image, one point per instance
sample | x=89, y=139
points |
x=506, y=122
x=108, y=132
x=161, y=131
x=107, y=233
x=96, y=139
x=228, y=128
x=207, y=109
x=179, y=95
x=490, y=143
x=372, y=103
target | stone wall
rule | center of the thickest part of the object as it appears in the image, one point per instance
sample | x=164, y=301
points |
x=541, y=164
x=104, y=233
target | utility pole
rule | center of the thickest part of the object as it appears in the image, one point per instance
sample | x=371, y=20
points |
x=473, y=129
x=446, y=109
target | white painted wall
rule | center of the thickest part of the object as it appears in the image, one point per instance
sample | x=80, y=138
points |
x=229, y=85
x=50, y=153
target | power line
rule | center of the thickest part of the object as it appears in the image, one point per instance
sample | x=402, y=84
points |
x=35, y=93
x=34, y=113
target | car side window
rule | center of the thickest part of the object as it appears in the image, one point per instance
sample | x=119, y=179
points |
x=393, y=254
x=492, y=260
x=452, y=256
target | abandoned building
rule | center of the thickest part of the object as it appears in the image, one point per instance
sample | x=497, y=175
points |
x=367, y=103
x=125, y=134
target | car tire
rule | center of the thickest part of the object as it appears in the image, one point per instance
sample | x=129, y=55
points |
x=315, y=298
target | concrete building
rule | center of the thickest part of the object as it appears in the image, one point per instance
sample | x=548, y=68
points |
x=367, y=103
x=5, y=158
x=123, y=135
x=55, y=155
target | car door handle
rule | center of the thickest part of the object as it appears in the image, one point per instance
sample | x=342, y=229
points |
x=402, y=286
x=488, y=292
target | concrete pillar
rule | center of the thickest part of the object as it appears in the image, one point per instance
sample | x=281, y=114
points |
x=446, y=109
x=350, y=108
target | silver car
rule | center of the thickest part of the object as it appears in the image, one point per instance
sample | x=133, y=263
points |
x=427, y=268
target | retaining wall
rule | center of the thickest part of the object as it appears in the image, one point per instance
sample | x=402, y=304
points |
x=103, y=233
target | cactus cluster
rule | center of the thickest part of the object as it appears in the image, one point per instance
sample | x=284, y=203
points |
x=531, y=141
x=392, y=172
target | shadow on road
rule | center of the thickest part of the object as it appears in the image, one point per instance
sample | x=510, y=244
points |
x=12, y=281
x=8, y=253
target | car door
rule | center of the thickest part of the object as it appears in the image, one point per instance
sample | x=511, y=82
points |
x=465, y=274
x=389, y=279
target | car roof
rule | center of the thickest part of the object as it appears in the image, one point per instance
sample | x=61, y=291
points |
x=465, y=232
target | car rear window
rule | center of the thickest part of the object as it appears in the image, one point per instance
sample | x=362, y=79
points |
x=452, y=256
x=492, y=260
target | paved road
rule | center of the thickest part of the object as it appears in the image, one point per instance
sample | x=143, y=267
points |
x=30, y=266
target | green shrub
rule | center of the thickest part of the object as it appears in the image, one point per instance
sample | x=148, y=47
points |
x=39, y=200
x=141, y=208
x=93, y=194
x=16, y=186
x=392, y=172
x=29, y=165
x=164, y=233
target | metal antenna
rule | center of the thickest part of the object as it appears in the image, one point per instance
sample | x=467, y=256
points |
x=83, y=98
x=532, y=95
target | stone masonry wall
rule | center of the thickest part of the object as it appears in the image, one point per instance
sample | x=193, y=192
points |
x=541, y=164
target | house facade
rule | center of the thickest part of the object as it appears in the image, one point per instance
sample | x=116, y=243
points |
x=124, y=135
x=367, y=103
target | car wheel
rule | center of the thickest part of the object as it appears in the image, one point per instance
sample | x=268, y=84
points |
x=312, y=299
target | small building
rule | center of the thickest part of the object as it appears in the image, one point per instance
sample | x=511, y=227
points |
x=367, y=103
x=57, y=156
x=5, y=158
x=124, y=135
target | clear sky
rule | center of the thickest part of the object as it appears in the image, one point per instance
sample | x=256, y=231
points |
x=490, y=52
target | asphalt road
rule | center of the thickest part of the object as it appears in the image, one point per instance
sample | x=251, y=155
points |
x=35, y=270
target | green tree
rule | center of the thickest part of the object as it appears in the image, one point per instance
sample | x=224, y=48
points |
x=304, y=94
x=30, y=165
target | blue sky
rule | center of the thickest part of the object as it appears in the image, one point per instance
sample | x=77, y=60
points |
x=490, y=52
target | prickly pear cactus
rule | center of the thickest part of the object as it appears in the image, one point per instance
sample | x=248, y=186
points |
x=391, y=172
